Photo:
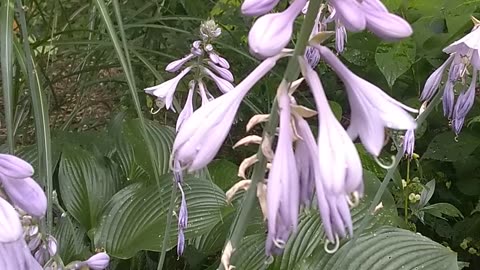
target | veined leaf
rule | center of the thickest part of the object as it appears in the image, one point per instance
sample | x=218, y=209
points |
x=134, y=219
x=86, y=184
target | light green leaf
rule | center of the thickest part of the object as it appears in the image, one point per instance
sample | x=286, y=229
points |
x=394, y=59
x=448, y=147
x=134, y=219
x=440, y=209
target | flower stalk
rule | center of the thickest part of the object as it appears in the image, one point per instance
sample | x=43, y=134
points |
x=239, y=225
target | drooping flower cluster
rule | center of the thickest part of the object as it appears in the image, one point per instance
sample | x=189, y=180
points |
x=22, y=205
x=464, y=60
x=272, y=32
x=303, y=168
x=206, y=63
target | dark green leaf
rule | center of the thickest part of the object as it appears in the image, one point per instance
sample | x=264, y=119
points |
x=394, y=59
x=448, y=147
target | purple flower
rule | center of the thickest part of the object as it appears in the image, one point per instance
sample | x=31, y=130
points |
x=204, y=94
x=10, y=226
x=177, y=64
x=98, y=261
x=182, y=222
x=409, y=142
x=384, y=24
x=372, y=109
x=188, y=107
x=165, y=90
x=340, y=36
x=202, y=134
x=222, y=72
x=41, y=255
x=222, y=84
x=448, y=99
x=464, y=104
x=16, y=255
x=339, y=168
x=283, y=187
x=258, y=7
x=14, y=167
x=218, y=60
x=23, y=191
x=356, y=15
x=467, y=47
x=272, y=32
x=350, y=13
x=304, y=160
x=433, y=81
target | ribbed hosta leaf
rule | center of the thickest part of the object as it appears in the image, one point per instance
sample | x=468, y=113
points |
x=387, y=248
x=162, y=139
x=86, y=184
x=134, y=219
x=70, y=238
x=310, y=236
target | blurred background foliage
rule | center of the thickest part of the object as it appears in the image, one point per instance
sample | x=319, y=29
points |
x=104, y=180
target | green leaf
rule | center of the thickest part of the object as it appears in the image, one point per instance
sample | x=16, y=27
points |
x=223, y=173
x=448, y=147
x=161, y=138
x=134, y=219
x=387, y=249
x=70, y=238
x=394, y=59
x=86, y=184
x=6, y=58
x=440, y=209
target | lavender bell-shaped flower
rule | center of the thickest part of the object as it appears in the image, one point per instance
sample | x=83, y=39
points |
x=10, y=226
x=283, y=187
x=434, y=80
x=222, y=72
x=350, y=13
x=372, y=109
x=222, y=84
x=98, y=261
x=166, y=90
x=409, y=143
x=202, y=134
x=340, y=170
x=258, y=7
x=384, y=24
x=272, y=32
x=204, y=94
x=23, y=191
x=188, y=107
x=464, y=104
x=182, y=222
x=304, y=161
x=177, y=64
x=16, y=255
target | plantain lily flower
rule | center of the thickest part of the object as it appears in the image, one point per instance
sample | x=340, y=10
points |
x=16, y=255
x=166, y=90
x=188, y=107
x=372, y=109
x=258, y=7
x=271, y=33
x=283, y=187
x=464, y=104
x=10, y=226
x=202, y=134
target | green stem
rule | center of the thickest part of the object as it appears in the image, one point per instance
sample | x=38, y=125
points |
x=386, y=180
x=40, y=110
x=239, y=226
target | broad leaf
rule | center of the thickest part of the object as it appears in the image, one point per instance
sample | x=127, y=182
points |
x=86, y=184
x=134, y=219
x=394, y=59
x=310, y=233
x=447, y=147
x=386, y=249
x=70, y=238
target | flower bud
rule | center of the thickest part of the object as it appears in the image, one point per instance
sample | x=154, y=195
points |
x=27, y=195
x=258, y=7
x=272, y=32
x=10, y=227
x=14, y=167
x=98, y=261
x=177, y=64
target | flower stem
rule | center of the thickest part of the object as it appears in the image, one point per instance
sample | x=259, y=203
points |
x=239, y=225
x=386, y=180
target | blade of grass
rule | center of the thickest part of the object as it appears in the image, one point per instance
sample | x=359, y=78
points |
x=131, y=83
x=40, y=111
x=6, y=36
